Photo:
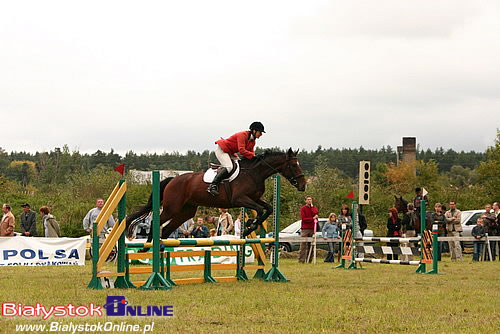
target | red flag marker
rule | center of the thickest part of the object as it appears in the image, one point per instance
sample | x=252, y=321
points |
x=351, y=195
x=120, y=169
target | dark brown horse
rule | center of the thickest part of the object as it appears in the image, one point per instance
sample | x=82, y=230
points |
x=180, y=196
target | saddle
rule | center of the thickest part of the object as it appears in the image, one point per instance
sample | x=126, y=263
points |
x=209, y=175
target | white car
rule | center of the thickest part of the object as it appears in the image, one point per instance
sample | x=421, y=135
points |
x=468, y=221
x=293, y=231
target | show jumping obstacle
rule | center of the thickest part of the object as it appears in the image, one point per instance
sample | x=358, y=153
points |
x=428, y=250
x=161, y=269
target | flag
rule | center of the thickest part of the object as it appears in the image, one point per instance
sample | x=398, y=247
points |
x=120, y=169
x=350, y=195
x=424, y=192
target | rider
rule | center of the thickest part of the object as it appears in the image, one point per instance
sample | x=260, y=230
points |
x=242, y=142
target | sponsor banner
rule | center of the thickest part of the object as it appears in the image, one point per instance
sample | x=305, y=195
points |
x=24, y=251
x=249, y=255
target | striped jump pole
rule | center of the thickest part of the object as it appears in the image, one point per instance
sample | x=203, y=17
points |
x=434, y=250
x=274, y=274
x=353, y=242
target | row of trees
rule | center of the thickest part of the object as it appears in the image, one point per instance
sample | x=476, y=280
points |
x=58, y=165
x=69, y=182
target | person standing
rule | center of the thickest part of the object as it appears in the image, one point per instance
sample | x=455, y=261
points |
x=344, y=218
x=28, y=221
x=496, y=213
x=308, y=214
x=225, y=222
x=330, y=230
x=437, y=217
x=478, y=232
x=50, y=224
x=242, y=142
x=409, y=226
x=453, y=218
x=186, y=229
x=91, y=216
x=490, y=227
x=7, y=223
x=393, y=230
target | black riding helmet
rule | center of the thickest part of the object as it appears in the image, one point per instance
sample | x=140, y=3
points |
x=258, y=126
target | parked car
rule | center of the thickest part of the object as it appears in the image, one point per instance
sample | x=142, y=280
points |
x=293, y=232
x=468, y=221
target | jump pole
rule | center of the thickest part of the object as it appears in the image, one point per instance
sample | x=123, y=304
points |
x=274, y=274
x=421, y=267
x=156, y=281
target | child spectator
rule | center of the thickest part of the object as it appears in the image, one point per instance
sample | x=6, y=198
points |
x=344, y=218
x=478, y=232
x=330, y=230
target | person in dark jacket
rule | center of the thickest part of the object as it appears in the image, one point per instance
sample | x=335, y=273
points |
x=28, y=221
x=437, y=217
x=478, y=232
x=200, y=231
x=393, y=230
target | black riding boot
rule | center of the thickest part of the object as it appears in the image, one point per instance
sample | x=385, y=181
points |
x=213, y=188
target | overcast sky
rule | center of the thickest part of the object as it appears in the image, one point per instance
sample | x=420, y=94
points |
x=171, y=76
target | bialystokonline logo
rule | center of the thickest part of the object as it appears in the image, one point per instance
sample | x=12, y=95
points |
x=115, y=306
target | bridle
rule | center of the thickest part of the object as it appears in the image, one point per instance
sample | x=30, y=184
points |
x=292, y=179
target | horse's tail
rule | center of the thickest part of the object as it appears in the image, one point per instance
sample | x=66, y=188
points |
x=144, y=211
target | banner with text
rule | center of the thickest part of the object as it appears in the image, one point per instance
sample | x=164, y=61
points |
x=24, y=251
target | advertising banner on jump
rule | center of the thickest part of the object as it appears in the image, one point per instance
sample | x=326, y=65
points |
x=249, y=254
x=23, y=251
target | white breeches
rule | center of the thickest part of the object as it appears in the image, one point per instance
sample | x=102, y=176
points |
x=224, y=159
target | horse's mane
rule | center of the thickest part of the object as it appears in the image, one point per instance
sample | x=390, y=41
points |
x=250, y=163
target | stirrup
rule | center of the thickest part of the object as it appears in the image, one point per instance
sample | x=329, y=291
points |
x=213, y=189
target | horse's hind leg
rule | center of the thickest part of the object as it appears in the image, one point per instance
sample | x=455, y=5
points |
x=187, y=212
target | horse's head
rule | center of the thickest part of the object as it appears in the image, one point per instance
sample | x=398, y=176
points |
x=290, y=169
x=401, y=204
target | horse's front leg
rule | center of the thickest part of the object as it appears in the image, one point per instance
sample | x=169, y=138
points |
x=262, y=212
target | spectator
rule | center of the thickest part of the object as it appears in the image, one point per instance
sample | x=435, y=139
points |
x=308, y=214
x=453, y=218
x=211, y=222
x=393, y=230
x=478, y=232
x=496, y=212
x=446, y=246
x=91, y=216
x=225, y=223
x=186, y=229
x=409, y=225
x=344, y=218
x=28, y=221
x=200, y=231
x=50, y=224
x=212, y=232
x=417, y=199
x=237, y=226
x=330, y=230
x=362, y=222
x=437, y=217
x=490, y=227
x=7, y=223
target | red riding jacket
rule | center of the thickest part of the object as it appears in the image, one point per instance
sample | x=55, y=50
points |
x=239, y=142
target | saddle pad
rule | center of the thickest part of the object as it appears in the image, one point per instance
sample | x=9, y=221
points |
x=209, y=175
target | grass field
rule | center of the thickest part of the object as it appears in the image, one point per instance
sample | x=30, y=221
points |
x=378, y=299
